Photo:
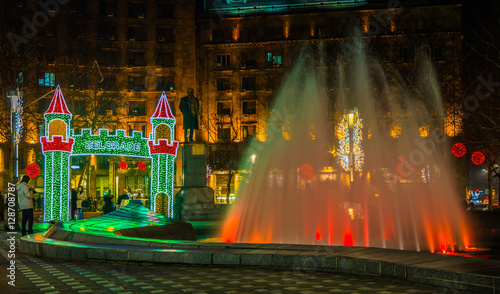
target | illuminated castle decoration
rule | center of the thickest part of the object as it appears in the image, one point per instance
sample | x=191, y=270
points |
x=57, y=146
x=163, y=150
x=59, y=143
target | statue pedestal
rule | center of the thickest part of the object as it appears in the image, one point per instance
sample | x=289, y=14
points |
x=197, y=203
x=194, y=164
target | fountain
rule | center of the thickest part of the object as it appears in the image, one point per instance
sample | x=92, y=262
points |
x=400, y=194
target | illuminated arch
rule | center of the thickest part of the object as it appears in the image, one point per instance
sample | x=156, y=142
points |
x=57, y=127
x=163, y=132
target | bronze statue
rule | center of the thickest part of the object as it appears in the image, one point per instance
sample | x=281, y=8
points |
x=190, y=108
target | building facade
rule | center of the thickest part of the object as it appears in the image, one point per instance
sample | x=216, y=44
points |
x=113, y=58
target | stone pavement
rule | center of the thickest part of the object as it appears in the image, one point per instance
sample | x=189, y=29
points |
x=93, y=240
x=35, y=274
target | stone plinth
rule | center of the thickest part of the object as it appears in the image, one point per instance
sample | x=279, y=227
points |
x=197, y=203
x=194, y=164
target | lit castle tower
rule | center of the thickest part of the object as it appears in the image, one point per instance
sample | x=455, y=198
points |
x=56, y=147
x=163, y=150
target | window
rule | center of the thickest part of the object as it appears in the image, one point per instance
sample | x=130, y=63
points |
x=78, y=6
x=108, y=57
x=109, y=83
x=249, y=131
x=248, y=35
x=222, y=36
x=249, y=107
x=224, y=133
x=106, y=32
x=405, y=54
x=248, y=83
x=137, y=108
x=165, y=10
x=136, y=59
x=437, y=54
x=165, y=59
x=165, y=34
x=223, y=84
x=43, y=105
x=165, y=83
x=325, y=31
x=20, y=78
x=136, y=83
x=273, y=82
x=136, y=9
x=248, y=59
x=136, y=33
x=274, y=33
x=300, y=32
x=106, y=107
x=106, y=8
x=273, y=58
x=224, y=108
x=48, y=79
x=80, y=106
x=223, y=60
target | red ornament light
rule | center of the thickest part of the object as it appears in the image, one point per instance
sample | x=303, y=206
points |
x=305, y=172
x=477, y=157
x=458, y=149
x=32, y=170
x=123, y=165
x=141, y=165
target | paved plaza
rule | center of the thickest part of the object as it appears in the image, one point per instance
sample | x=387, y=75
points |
x=35, y=274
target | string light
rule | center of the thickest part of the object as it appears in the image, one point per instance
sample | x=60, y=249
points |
x=56, y=150
x=105, y=144
x=163, y=155
x=18, y=118
x=60, y=142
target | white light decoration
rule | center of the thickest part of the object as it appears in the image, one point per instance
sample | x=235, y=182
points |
x=17, y=108
x=351, y=125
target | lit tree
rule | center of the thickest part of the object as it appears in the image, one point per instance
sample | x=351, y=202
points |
x=223, y=130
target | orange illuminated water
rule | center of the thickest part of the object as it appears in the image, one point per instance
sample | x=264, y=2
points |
x=415, y=208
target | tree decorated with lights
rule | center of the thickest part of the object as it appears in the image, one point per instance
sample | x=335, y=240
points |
x=163, y=150
x=349, y=132
x=57, y=146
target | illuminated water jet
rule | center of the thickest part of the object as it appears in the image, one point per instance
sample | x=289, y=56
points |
x=385, y=203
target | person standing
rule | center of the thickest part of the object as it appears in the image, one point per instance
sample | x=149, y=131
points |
x=190, y=108
x=108, y=203
x=81, y=195
x=74, y=199
x=25, y=196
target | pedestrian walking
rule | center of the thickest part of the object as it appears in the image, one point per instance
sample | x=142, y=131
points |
x=25, y=198
x=81, y=196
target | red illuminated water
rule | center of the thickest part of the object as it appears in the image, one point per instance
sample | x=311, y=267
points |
x=413, y=208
